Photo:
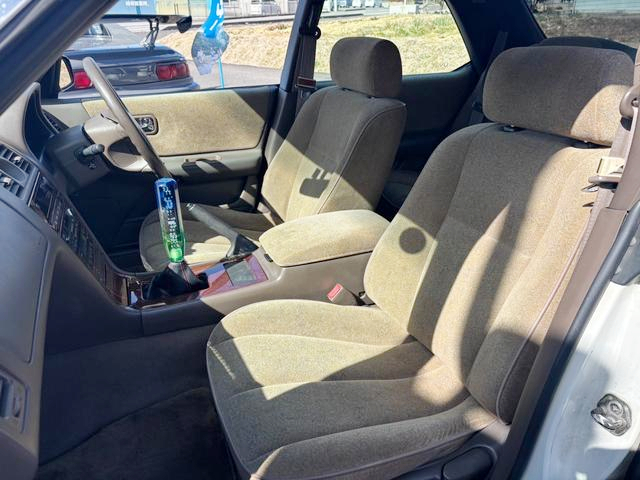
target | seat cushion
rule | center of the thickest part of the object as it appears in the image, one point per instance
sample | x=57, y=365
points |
x=315, y=390
x=202, y=243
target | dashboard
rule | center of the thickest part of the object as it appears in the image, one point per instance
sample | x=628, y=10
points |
x=58, y=212
x=59, y=290
x=41, y=233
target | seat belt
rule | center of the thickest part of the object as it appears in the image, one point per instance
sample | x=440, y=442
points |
x=305, y=84
x=302, y=84
x=608, y=176
x=477, y=114
x=609, y=172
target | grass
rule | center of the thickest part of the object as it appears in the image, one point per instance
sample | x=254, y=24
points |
x=621, y=28
x=427, y=43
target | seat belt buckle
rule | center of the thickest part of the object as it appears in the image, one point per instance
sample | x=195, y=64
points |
x=608, y=174
x=339, y=295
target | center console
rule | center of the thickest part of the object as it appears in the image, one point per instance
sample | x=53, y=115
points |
x=301, y=259
x=221, y=277
x=125, y=288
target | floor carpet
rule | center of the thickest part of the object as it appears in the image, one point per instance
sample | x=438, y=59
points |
x=179, y=438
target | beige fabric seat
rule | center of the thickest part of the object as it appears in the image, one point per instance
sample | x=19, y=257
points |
x=337, y=155
x=465, y=282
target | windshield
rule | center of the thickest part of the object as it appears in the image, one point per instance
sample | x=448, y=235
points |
x=8, y=8
x=614, y=20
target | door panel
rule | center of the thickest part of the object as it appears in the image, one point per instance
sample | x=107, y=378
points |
x=433, y=104
x=211, y=140
x=203, y=121
x=203, y=167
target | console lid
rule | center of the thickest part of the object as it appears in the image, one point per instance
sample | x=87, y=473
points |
x=323, y=237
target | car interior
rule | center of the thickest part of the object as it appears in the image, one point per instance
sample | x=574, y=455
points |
x=371, y=267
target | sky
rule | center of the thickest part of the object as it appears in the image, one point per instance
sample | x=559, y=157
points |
x=7, y=6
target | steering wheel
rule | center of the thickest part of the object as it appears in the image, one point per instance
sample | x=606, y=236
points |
x=124, y=118
x=240, y=245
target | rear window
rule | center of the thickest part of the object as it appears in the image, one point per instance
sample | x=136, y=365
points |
x=617, y=20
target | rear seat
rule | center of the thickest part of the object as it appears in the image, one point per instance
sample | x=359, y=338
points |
x=401, y=179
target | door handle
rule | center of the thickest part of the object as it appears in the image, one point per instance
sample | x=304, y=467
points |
x=148, y=124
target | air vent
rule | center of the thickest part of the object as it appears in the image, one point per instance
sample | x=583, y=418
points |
x=14, y=171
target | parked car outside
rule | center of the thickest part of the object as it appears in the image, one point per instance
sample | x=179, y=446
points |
x=131, y=68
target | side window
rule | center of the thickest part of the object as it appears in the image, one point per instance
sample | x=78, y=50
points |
x=254, y=54
x=424, y=31
x=611, y=20
x=252, y=46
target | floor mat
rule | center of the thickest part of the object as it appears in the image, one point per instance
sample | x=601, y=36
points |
x=179, y=438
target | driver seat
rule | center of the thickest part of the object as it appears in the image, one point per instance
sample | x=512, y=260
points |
x=336, y=156
x=465, y=280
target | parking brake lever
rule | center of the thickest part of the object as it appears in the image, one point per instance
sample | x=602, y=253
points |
x=241, y=246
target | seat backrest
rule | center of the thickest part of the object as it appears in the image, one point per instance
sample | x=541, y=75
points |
x=476, y=260
x=342, y=144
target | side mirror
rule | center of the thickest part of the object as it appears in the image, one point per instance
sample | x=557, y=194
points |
x=65, y=78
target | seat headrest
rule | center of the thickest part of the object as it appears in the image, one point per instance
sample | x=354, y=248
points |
x=569, y=91
x=368, y=65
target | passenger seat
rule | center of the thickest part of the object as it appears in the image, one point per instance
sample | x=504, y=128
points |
x=465, y=280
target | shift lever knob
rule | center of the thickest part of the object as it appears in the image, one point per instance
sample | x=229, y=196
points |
x=170, y=214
